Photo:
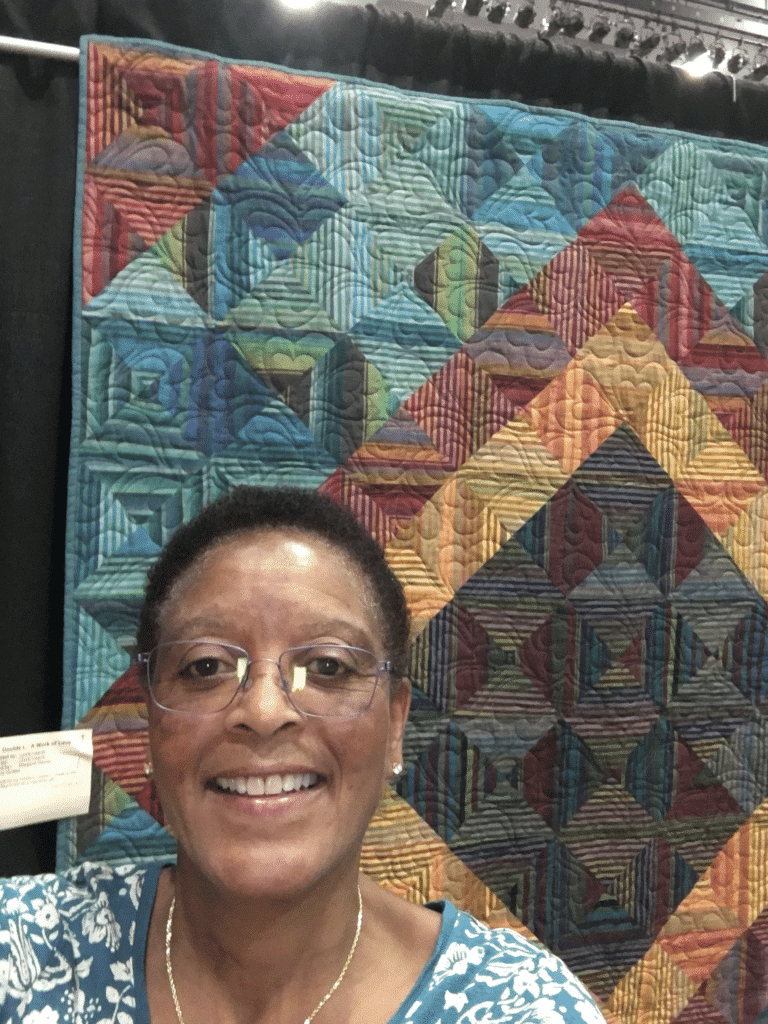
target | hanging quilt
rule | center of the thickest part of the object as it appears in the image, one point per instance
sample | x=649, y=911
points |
x=529, y=350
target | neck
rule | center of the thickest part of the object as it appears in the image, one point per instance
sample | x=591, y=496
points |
x=237, y=958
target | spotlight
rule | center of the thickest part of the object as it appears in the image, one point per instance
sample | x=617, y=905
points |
x=525, y=14
x=699, y=66
x=625, y=35
x=438, y=8
x=647, y=41
x=599, y=29
x=574, y=23
x=759, y=66
x=472, y=7
x=554, y=24
x=736, y=61
x=496, y=12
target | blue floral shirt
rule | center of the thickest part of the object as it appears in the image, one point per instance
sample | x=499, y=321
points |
x=72, y=949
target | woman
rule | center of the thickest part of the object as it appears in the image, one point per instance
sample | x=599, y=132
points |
x=274, y=643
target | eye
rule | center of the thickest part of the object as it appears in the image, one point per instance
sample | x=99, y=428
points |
x=328, y=667
x=204, y=668
x=206, y=663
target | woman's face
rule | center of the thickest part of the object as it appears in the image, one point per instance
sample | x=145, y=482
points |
x=268, y=591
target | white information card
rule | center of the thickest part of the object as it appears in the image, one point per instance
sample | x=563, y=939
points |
x=44, y=775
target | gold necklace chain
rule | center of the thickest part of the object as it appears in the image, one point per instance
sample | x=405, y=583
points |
x=320, y=1005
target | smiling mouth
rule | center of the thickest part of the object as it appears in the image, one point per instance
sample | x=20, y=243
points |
x=267, y=785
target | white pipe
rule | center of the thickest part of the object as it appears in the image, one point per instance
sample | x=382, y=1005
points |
x=35, y=49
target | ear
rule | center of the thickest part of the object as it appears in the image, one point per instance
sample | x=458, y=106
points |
x=399, y=705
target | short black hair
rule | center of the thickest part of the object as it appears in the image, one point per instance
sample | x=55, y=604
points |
x=248, y=508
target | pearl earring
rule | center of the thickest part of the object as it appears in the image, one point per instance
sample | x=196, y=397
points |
x=397, y=768
x=148, y=769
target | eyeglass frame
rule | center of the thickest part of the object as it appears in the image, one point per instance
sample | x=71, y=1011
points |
x=143, y=659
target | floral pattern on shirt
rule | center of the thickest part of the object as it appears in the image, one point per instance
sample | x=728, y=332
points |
x=72, y=952
x=480, y=975
x=66, y=946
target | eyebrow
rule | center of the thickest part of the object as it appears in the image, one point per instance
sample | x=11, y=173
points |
x=359, y=635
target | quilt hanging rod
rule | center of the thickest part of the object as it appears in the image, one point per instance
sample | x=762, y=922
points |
x=36, y=49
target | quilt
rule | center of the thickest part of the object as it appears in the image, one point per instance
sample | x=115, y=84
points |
x=529, y=350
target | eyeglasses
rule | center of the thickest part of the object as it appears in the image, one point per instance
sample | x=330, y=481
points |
x=202, y=677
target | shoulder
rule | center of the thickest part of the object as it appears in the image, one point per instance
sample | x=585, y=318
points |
x=503, y=973
x=63, y=933
x=40, y=898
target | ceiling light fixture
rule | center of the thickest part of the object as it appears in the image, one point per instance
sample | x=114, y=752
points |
x=554, y=23
x=625, y=35
x=574, y=22
x=647, y=41
x=759, y=65
x=696, y=48
x=699, y=66
x=737, y=60
x=599, y=29
x=524, y=15
x=717, y=53
x=438, y=8
x=674, y=46
x=696, y=60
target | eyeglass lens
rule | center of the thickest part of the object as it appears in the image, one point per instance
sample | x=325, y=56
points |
x=324, y=680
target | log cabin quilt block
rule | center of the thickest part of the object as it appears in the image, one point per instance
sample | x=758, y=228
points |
x=529, y=350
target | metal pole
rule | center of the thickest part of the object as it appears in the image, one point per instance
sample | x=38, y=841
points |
x=36, y=49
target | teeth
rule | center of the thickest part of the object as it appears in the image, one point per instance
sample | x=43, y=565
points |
x=273, y=784
x=269, y=785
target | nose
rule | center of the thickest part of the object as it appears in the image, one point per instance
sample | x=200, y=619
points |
x=261, y=704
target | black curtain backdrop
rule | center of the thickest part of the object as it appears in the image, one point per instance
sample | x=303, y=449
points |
x=38, y=129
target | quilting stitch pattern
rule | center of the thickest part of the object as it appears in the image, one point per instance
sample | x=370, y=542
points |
x=528, y=349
